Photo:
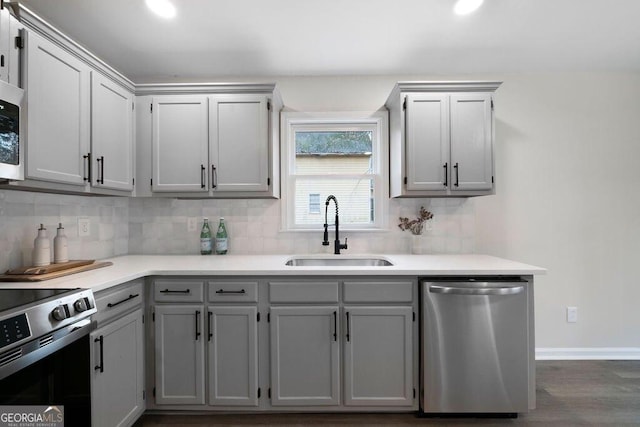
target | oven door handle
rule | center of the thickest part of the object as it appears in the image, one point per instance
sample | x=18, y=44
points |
x=101, y=365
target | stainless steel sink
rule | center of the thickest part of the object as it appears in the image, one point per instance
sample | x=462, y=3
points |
x=337, y=262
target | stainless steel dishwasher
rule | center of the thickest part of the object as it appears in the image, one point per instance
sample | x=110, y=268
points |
x=477, y=346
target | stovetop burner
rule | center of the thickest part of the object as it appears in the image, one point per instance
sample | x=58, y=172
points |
x=11, y=298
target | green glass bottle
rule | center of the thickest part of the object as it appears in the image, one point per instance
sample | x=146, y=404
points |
x=222, y=239
x=205, y=238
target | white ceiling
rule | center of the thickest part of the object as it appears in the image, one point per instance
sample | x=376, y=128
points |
x=216, y=38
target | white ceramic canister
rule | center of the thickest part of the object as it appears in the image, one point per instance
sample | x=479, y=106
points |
x=60, y=251
x=41, y=248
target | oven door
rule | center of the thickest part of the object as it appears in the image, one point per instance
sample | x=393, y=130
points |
x=54, y=378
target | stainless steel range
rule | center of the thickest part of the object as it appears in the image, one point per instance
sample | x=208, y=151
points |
x=44, y=349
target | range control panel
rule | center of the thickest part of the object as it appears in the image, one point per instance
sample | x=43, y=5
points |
x=14, y=329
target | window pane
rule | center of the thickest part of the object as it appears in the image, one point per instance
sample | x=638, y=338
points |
x=314, y=203
x=355, y=199
x=333, y=153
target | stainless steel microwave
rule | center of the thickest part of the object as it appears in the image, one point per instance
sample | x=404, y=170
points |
x=11, y=140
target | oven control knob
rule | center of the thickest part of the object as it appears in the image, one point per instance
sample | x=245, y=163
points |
x=80, y=305
x=59, y=313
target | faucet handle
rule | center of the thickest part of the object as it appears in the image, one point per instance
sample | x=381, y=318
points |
x=345, y=244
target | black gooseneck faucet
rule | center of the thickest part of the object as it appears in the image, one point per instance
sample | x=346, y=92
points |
x=336, y=244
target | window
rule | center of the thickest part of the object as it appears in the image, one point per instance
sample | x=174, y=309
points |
x=314, y=203
x=334, y=154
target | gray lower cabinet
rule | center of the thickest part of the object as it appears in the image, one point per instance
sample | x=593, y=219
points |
x=206, y=342
x=117, y=357
x=353, y=337
x=378, y=356
x=305, y=356
x=179, y=354
x=232, y=341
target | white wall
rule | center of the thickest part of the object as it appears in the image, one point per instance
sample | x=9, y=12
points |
x=568, y=199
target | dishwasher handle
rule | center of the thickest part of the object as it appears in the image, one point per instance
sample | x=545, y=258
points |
x=501, y=290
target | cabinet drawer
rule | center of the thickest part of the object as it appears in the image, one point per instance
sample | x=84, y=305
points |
x=232, y=291
x=178, y=290
x=302, y=291
x=366, y=291
x=114, y=302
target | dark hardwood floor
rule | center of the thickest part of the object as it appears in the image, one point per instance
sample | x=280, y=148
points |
x=569, y=393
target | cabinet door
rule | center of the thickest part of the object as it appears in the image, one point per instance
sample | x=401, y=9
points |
x=4, y=44
x=471, y=142
x=180, y=144
x=232, y=334
x=378, y=356
x=239, y=143
x=427, y=141
x=305, y=356
x=179, y=352
x=111, y=134
x=14, y=52
x=58, y=93
x=117, y=379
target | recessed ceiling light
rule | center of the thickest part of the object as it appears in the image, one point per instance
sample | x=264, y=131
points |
x=163, y=8
x=464, y=7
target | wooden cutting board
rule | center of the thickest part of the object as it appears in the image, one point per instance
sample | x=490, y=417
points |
x=55, y=273
x=50, y=268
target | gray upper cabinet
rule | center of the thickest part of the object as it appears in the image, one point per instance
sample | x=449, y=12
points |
x=441, y=137
x=58, y=99
x=180, y=144
x=214, y=141
x=239, y=138
x=111, y=134
x=79, y=115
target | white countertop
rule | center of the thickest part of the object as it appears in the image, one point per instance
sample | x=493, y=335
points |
x=131, y=267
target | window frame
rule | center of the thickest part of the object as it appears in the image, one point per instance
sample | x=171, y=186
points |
x=376, y=121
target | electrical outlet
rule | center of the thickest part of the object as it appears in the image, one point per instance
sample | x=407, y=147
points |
x=84, y=227
x=192, y=224
x=572, y=314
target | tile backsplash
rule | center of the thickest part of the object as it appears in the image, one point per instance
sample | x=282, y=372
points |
x=122, y=226
x=21, y=213
x=159, y=226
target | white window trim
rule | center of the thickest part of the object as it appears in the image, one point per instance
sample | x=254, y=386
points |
x=289, y=120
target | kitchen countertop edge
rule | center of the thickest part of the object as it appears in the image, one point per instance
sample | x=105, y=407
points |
x=130, y=267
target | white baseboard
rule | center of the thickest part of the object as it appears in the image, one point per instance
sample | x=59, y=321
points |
x=596, y=353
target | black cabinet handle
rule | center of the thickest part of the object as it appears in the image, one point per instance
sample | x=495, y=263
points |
x=202, y=185
x=446, y=174
x=101, y=179
x=113, y=304
x=100, y=367
x=171, y=291
x=223, y=292
x=197, y=326
x=335, y=326
x=87, y=157
x=214, y=176
x=209, y=326
x=457, y=177
x=348, y=328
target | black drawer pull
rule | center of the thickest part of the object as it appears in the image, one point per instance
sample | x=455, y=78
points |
x=457, y=183
x=171, y=291
x=197, y=327
x=209, y=333
x=131, y=296
x=348, y=328
x=446, y=174
x=223, y=292
x=100, y=367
